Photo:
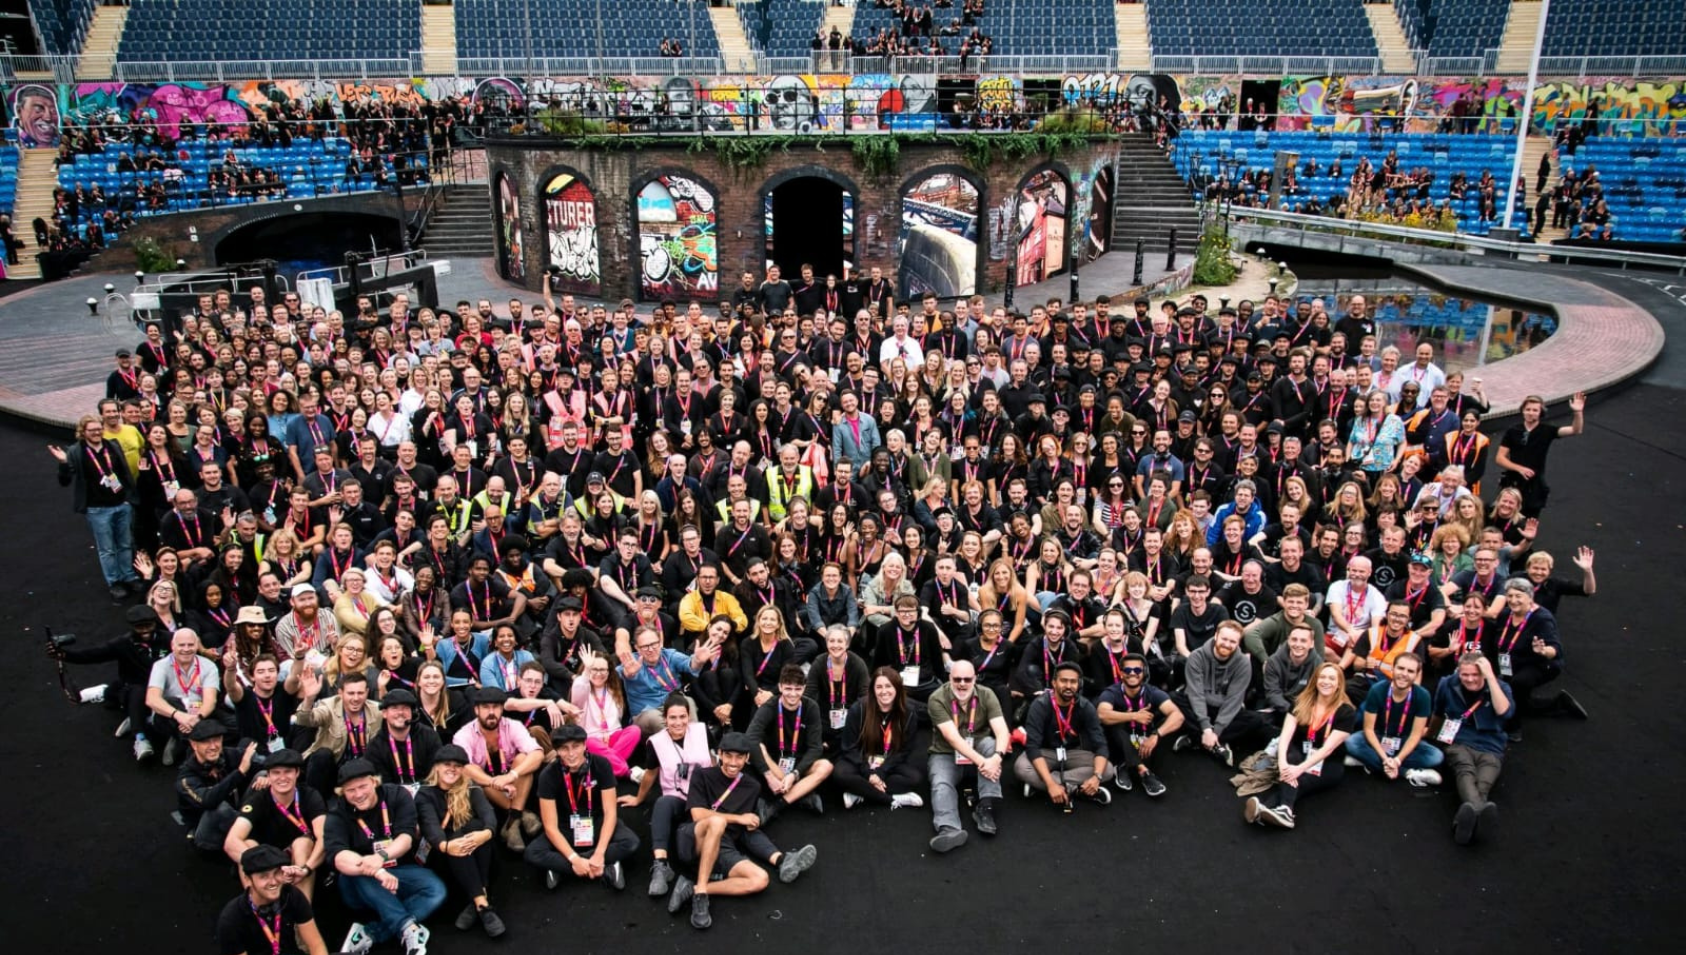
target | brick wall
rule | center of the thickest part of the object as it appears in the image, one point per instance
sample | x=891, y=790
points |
x=613, y=174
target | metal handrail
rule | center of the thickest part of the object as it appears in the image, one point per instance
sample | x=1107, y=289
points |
x=1456, y=240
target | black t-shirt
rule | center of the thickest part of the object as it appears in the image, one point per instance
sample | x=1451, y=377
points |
x=1345, y=721
x=272, y=826
x=250, y=717
x=1198, y=627
x=1423, y=604
x=591, y=784
x=1150, y=696
x=392, y=815
x=1243, y=607
x=1386, y=569
x=708, y=786
x=239, y=931
x=1529, y=448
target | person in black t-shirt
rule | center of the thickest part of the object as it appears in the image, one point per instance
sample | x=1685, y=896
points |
x=1310, y=751
x=371, y=836
x=1135, y=716
x=263, y=712
x=272, y=915
x=207, y=783
x=724, y=836
x=1521, y=457
x=286, y=817
x=403, y=750
x=583, y=833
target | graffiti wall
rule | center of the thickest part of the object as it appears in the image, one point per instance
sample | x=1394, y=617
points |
x=1044, y=198
x=512, y=262
x=1091, y=209
x=570, y=227
x=939, y=237
x=676, y=218
x=1641, y=107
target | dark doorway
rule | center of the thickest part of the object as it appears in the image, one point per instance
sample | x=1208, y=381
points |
x=1262, y=94
x=810, y=220
x=309, y=240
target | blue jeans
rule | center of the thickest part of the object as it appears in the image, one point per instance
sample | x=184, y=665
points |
x=945, y=784
x=116, y=547
x=1424, y=756
x=419, y=893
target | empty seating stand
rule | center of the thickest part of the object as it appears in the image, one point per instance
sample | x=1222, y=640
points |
x=1447, y=28
x=191, y=31
x=1260, y=28
x=582, y=28
x=8, y=179
x=62, y=23
x=1616, y=28
x=1019, y=28
x=782, y=27
x=1443, y=154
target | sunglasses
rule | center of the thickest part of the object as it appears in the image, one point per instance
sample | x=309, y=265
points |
x=1132, y=670
x=960, y=679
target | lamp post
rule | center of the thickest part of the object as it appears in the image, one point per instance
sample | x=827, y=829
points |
x=1527, y=113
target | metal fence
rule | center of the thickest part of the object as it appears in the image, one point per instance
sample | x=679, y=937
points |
x=588, y=66
x=1269, y=65
x=225, y=71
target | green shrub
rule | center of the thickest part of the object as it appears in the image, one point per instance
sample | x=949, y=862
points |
x=152, y=257
x=1212, y=265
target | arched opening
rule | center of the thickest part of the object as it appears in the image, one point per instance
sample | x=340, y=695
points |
x=310, y=240
x=512, y=262
x=1042, y=252
x=810, y=219
x=569, y=212
x=940, y=232
x=1099, y=226
x=676, y=248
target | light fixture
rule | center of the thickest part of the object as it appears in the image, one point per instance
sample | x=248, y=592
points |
x=93, y=306
x=109, y=288
x=139, y=276
x=181, y=263
x=1273, y=282
x=298, y=207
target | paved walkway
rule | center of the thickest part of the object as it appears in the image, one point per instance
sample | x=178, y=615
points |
x=54, y=357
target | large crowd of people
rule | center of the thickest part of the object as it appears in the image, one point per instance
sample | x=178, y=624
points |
x=406, y=583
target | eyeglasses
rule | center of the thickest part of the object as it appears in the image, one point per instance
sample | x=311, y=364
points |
x=992, y=626
x=960, y=679
x=1139, y=434
x=1132, y=670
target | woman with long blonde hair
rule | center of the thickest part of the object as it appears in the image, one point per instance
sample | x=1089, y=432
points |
x=458, y=821
x=1310, y=750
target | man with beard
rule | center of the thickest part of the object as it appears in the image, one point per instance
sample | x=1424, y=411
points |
x=271, y=914
x=503, y=760
x=1135, y=718
x=1065, y=749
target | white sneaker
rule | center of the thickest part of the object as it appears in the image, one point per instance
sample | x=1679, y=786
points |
x=143, y=749
x=95, y=694
x=1423, y=778
x=1353, y=761
x=906, y=801
x=357, y=941
x=636, y=774
x=850, y=800
x=123, y=728
x=414, y=939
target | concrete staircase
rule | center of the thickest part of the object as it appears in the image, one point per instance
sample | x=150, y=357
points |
x=99, y=48
x=439, y=40
x=1149, y=199
x=1516, y=47
x=1135, y=54
x=461, y=224
x=1532, y=150
x=1397, y=57
x=735, y=50
x=37, y=178
x=843, y=18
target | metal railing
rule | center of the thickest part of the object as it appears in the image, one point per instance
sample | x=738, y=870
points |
x=1474, y=244
x=836, y=61
x=588, y=66
x=1269, y=65
x=225, y=71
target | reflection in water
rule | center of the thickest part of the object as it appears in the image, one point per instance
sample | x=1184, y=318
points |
x=1407, y=315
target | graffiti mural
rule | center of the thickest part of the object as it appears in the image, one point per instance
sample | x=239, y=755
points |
x=1643, y=107
x=512, y=261
x=570, y=227
x=939, y=237
x=1091, y=210
x=34, y=109
x=676, y=218
x=1137, y=90
x=1043, y=200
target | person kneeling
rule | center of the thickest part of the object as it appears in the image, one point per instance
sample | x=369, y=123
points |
x=877, y=737
x=724, y=836
x=595, y=840
x=1316, y=728
x=371, y=838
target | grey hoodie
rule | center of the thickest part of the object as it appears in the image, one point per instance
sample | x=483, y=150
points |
x=1217, y=685
x=1283, y=680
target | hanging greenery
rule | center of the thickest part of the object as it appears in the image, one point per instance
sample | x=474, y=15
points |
x=1212, y=264
x=877, y=156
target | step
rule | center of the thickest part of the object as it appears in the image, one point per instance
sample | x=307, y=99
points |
x=99, y=47
x=1516, y=45
x=1135, y=52
x=735, y=49
x=439, y=40
x=1391, y=43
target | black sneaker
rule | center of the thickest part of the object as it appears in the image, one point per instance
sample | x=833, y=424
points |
x=1152, y=785
x=1487, y=819
x=615, y=875
x=1571, y=706
x=491, y=923
x=1183, y=744
x=467, y=917
x=984, y=817
x=1101, y=795
x=948, y=840
x=1125, y=779
x=814, y=804
x=700, y=918
x=683, y=889
x=793, y=864
x=1515, y=736
x=766, y=811
x=551, y=879
x=1463, y=824
x=1224, y=754
x=661, y=878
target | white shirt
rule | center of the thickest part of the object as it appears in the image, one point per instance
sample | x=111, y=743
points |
x=1360, y=615
x=904, y=348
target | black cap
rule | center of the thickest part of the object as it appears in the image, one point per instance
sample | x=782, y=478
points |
x=569, y=603
x=1253, y=375
x=124, y=353
x=1035, y=398
x=1267, y=357
x=1087, y=389
x=568, y=733
x=1229, y=359
x=398, y=697
x=142, y=614
x=595, y=477
x=206, y=730
x=1188, y=416
x=357, y=769
x=262, y=859
x=650, y=590
x=488, y=695
x=451, y=753
x=1273, y=428
x=734, y=743
x=284, y=757
x=1061, y=614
